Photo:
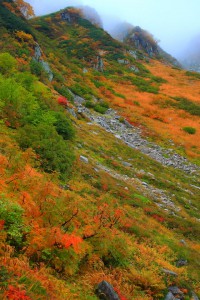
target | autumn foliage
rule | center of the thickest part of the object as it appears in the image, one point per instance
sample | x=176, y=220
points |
x=66, y=225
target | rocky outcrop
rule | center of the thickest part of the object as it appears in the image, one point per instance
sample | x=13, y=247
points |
x=99, y=64
x=44, y=64
x=142, y=40
x=105, y=291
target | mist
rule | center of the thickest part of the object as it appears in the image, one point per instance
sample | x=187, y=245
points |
x=174, y=22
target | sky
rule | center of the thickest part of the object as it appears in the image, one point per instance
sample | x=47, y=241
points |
x=173, y=22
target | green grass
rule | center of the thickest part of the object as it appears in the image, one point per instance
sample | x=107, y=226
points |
x=189, y=130
x=194, y=75
x=187, y=105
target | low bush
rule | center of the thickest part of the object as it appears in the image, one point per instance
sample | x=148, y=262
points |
x=193, y=74
x=187, y=105
x=54, y=153
x=189, y=130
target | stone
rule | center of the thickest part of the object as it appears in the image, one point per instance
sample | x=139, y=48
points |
x=65, y=16
x=72, y=112
x=99, y=65
x=85, y=71
x=123, y=61
x=183, y=242
x=84, y=159
x=181, y=263
x=168, y=272
x=38, y=52
x=194, y=296
x=126, y=164
x=170, y=296
x=105, y=291
x=176, y=292
x=47, y=69
x=133, y=53
x=134, y=69
x=44, y=64
x=78, y=99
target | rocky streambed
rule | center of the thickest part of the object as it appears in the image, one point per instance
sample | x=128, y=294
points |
x=132, y=136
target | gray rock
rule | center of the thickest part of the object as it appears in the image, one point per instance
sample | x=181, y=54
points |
x=126, y=164
x=44, y=64
x=168, y=272
x=176, y=292
x=133, y=53
x=47, y=69
x=123, y=61
x=134, y=69
x=72, y=112
x=85, y=70
x=183, y=242
x=194, y=296
x=181, y=263
x=78, y=100
x=170, y=296
x=99, y=65
x=105, y=291
x=38, y=52
x=84, y=159
x=65, y=16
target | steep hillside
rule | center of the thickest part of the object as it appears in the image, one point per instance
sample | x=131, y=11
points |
x=99, y=175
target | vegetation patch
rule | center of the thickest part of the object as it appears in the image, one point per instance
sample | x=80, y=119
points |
x=187, y=105
x=189, y=130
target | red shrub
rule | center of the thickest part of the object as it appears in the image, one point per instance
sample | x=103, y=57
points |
x=63, y=101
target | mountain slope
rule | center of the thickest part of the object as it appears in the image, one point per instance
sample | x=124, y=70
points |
x=79, y=208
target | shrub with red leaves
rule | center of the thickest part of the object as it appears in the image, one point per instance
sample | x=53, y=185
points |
x=2, y=222
x=63, y=101
x=14, y=293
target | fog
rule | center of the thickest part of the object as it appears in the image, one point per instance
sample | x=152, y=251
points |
x=173, y=22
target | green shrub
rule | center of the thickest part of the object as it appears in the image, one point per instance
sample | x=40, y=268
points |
x=36, y=67
x=11, y=214
x=54, y=153
x=100, y=109
x=187, y=105
x=64, y=126
x=189, y=130
x=64, y=92
x=143, y=85
x=19, y=105
x=7, y=63
x=89, y=104
x=193, y=74
x=82, y=90
x=158, y=79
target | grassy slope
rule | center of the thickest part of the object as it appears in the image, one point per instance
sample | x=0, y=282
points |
x=126, y=238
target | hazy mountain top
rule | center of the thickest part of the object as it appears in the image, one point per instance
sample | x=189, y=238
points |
x=191, y=56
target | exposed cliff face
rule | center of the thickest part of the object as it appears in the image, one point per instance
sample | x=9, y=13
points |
x=142, y=40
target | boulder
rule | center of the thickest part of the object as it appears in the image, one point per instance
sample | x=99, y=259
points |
x=168, y=272
x=178, y=294
x=84, y=159
x=105, y=291
x=126, y=164
x=170, y=296
x=194, y=296
x=181, y=263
